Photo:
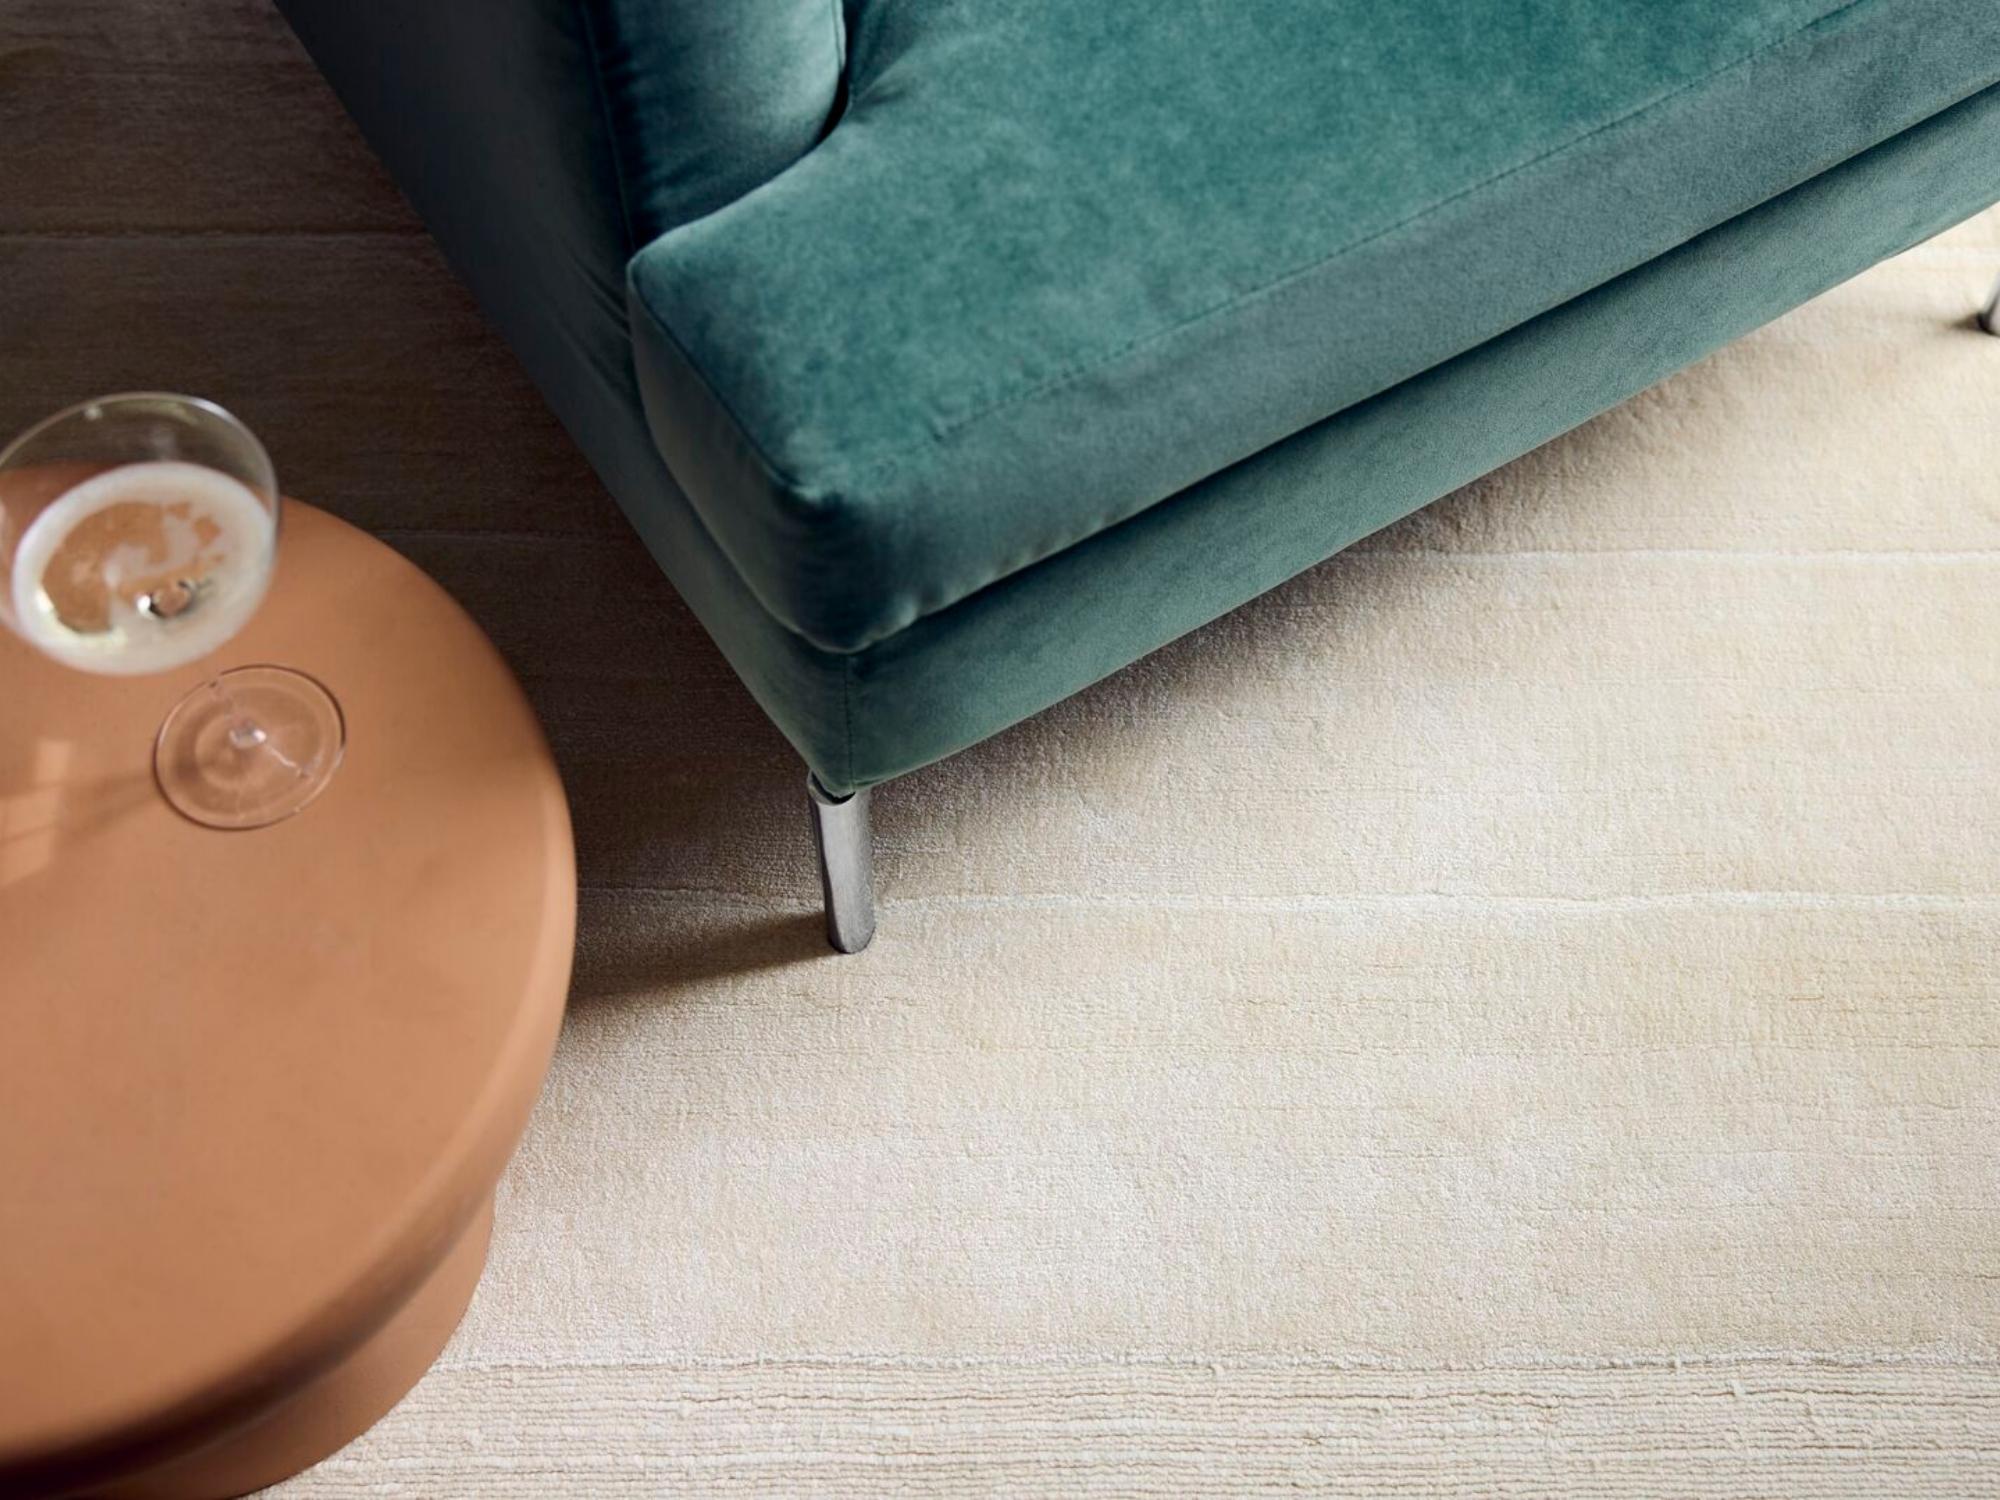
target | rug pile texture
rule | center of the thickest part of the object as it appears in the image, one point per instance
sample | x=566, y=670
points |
x=1515, y=1010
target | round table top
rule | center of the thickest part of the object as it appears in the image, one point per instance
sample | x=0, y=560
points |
x=252, y=1085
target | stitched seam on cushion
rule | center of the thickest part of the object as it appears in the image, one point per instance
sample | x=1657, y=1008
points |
x=1055, y=382
x=582, y=8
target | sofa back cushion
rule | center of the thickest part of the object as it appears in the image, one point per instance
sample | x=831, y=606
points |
x=708, y=98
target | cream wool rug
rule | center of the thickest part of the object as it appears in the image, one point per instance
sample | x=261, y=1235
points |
x=1516, y=1010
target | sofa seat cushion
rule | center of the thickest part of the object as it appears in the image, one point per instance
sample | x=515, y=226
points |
x=1059, y=259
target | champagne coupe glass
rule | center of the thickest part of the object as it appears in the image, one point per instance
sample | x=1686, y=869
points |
x=137, y=534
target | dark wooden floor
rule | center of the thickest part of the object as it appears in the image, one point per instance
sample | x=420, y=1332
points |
x=185, y=206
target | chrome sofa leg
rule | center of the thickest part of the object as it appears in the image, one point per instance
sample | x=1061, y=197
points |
x=1989, y=319
x=846, y=865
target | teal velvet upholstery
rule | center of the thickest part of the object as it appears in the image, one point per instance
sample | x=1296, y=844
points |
x=1009, y=651
x=1061, y=259
x=496, y=120
x=491, y=114
x=707, y=99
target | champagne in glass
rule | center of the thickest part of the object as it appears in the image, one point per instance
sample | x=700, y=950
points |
x=142, y=568
x=138, y=534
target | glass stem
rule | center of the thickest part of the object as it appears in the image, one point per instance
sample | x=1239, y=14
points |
x=245, y=733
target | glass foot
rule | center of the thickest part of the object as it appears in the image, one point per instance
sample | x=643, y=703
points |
x=249, y=747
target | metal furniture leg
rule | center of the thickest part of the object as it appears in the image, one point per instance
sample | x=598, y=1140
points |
x=846, y=865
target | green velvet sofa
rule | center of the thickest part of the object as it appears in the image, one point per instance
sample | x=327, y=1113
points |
x=952, y=354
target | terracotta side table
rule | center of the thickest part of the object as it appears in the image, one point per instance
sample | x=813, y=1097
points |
x=256, y=1088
